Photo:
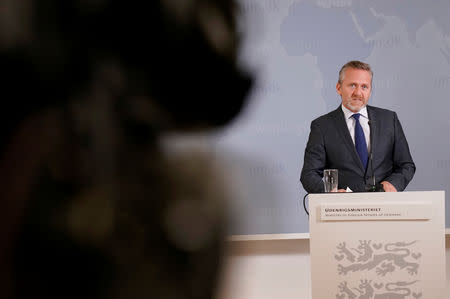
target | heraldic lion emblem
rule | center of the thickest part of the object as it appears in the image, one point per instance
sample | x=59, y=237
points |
x=365, y=290
x=395, y=256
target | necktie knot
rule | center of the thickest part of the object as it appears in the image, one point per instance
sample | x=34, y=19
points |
x=356, y=116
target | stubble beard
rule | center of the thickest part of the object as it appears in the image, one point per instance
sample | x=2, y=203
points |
x=354, y=108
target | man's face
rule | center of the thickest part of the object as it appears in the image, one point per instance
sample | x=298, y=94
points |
x=355, y=89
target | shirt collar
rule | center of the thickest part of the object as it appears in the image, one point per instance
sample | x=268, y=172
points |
x=348, y=113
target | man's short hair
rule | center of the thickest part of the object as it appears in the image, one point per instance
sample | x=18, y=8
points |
x=355, y=64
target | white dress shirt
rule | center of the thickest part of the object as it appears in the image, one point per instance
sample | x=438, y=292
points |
x=363, y=120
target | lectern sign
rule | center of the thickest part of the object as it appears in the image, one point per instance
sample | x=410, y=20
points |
x=378, y=245
x=374, y=211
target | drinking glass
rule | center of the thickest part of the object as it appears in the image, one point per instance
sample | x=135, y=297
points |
x=330, y=180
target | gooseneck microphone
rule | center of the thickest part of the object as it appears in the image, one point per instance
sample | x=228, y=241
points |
x=373, y=186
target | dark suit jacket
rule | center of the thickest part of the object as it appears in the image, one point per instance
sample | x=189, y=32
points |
x=330, y=146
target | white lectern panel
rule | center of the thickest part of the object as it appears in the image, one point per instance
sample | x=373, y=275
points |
x=378, y=245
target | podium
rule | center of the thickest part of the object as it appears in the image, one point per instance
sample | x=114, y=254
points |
x=377, y=245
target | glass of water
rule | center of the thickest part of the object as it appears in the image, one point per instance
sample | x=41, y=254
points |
x=330, y=180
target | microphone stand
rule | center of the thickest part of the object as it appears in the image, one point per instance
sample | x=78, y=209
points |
x=374, y=187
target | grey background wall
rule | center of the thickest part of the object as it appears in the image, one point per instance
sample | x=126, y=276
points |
x=296, y=48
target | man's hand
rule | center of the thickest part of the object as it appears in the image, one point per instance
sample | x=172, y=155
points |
x=388, y=187
x=338, y=190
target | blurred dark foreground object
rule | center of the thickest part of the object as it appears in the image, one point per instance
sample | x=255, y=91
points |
x=92, y=207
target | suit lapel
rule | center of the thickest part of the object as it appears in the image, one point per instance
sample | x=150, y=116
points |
x=341, y=126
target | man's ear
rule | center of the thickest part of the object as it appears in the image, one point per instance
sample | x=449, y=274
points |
x=338, y=88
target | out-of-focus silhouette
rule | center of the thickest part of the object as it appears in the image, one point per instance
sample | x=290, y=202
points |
x=91, y=205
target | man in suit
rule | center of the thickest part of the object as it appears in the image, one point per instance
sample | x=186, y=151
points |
x=365, y=143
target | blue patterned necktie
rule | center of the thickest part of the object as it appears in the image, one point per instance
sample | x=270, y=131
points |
x=360, y=141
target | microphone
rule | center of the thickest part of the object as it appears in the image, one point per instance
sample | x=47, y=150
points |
x=373, y=187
